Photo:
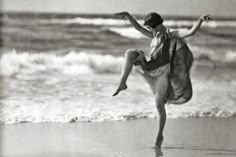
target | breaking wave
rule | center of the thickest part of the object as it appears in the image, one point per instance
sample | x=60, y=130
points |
x=72, y=63
x=128, y=32
x=75, y=63
x=121, y=22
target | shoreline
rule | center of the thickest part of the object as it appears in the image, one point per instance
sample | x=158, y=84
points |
x=183, y=137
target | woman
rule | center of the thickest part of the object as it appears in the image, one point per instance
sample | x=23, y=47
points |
x=168, y=80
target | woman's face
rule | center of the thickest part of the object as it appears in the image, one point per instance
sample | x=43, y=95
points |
x=156, y=29
x=149, y=27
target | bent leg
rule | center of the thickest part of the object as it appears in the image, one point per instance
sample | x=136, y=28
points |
x=130, y=57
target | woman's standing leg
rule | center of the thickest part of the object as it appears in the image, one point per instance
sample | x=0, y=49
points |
x=161, y=85
x=130, y=57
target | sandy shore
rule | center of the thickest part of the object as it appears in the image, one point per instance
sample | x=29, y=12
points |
x=199, y=137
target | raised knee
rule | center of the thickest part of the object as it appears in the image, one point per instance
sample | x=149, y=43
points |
x=131, y=53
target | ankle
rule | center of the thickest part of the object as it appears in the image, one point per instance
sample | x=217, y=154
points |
x=160, y=137
x=122, y=85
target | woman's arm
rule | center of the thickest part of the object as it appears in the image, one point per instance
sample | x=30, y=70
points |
x=135, y=24
x=194, y=29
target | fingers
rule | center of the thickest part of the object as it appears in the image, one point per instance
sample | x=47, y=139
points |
x=206, y=18
x=120, y=14
x=116, y=14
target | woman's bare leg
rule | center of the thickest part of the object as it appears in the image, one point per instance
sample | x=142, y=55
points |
x=161, y=85
x=130, y=57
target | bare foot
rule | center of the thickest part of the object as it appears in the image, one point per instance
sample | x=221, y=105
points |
x=120, y=88
x=158, y=152
x=159, y=141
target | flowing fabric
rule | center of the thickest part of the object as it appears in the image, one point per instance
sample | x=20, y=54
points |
x=160, y=58
x=174, y=59
x=180, y=85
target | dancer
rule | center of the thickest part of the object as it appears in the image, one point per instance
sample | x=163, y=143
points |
x=167, y=70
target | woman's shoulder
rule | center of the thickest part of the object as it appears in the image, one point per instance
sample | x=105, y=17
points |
x=174, y=33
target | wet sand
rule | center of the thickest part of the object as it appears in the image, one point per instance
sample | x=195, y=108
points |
x=192, y=137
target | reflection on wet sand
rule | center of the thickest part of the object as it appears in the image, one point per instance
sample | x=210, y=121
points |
x=195, y=149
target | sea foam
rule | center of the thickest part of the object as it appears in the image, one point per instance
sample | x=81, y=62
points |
x=72, y=63
x=128, y=32
x=82, y=86
x=89, y=100
x=77, y=63
x=122, y=22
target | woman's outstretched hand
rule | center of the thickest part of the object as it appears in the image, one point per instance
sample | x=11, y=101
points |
x=206, y=18
x=121, y=14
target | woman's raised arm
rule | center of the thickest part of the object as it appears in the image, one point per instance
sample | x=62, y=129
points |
x=135, y=24
x=194, y=29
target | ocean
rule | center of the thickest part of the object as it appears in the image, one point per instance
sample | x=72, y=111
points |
x=65, y=68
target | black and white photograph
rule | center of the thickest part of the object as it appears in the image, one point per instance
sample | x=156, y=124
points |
x=117, y=78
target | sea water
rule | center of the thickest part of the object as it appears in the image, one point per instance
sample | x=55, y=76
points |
x=65, y=68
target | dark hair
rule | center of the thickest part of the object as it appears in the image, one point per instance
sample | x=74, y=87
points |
x=153, y=19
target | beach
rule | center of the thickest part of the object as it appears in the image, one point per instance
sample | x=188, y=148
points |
x=192, y=137
x=62, y=68
x=59, y=71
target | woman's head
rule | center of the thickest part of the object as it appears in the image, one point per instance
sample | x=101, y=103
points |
x=152, y=20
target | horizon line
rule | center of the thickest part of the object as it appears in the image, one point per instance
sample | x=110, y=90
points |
x=107, y=14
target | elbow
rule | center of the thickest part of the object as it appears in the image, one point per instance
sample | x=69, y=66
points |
x=138, y=28
x=193, y=30
x=190, y=33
